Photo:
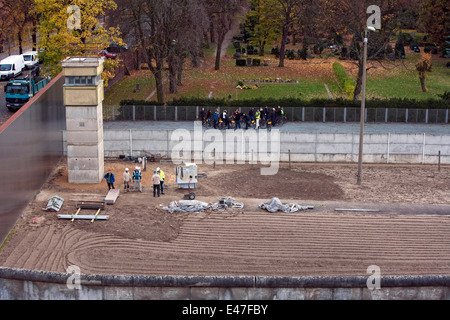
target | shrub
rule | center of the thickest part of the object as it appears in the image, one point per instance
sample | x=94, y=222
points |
x=241, y=62
x=133, y=102
x=303, y=53
x=347, y=83
x=445, y=96
x=290, y=54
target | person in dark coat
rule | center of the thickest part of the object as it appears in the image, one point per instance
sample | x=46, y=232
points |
x=246, y=119
x=237, y=118
x=110, y=179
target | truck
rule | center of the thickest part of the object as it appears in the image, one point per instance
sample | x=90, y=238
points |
x=20, y=91
x=31, y=59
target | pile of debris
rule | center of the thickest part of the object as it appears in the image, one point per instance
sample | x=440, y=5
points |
x=186, y=206
x=276, y=205
x=198, y=206
x=227, y=203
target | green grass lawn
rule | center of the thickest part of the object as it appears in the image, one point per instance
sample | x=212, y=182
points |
x=407, y=84
x=400, y=82
x=125, y=89
x=305, y=89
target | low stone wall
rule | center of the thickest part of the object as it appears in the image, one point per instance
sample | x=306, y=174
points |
x=17, y=284
x=298, y=147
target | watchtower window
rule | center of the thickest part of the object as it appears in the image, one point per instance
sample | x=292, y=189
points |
x=83, y=80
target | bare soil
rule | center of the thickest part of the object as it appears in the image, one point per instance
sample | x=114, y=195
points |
x=141, y=238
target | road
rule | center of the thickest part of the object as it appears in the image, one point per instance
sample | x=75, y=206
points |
x=5, y=114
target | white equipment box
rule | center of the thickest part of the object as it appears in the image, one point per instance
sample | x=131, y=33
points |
x=187, y=176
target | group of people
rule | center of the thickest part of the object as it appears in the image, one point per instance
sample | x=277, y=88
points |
x=274, y=115
x=135, y=178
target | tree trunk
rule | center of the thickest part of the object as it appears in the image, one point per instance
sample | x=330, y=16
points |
x=159, y=86
x=157, y=72
x=19, y=36
x=283, y=47
x=212, y=32
x=138, y=62
x=180, y=72
x=34, y=35
x=172, y=75
x=422, y=83
x=219, y=51
x=262, y=45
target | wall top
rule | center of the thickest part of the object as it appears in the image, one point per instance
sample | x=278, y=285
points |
x=82, y=62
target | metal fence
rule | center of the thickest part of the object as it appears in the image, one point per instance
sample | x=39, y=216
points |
x=304, y=114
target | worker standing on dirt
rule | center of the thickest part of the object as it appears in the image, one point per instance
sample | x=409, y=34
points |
x=110, y=179
x=126, y=180
x=162, y=175
x=156, y=179
x=137, y=179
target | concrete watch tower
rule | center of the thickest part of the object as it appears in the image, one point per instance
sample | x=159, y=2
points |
x=83, y=98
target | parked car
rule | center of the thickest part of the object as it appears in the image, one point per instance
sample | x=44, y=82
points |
x=105, y=53
x=116, y=48
x=11, y=67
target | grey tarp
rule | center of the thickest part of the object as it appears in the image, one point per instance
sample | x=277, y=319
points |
x=186, y=206
x=54, y=204
x=276, y=205
x=197, y=206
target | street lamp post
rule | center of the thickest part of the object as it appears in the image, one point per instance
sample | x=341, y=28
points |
x=363, y=106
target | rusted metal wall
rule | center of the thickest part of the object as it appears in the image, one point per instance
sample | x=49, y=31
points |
x=31, y=143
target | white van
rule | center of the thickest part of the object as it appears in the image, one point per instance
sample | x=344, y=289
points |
x=11, y=67
x=30, y=58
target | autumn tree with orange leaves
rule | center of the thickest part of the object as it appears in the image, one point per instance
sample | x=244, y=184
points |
x=423, y=67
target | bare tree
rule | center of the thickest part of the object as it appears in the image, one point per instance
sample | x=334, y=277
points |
x=285, y=13
x=21, y=12
x=5, y=21
x=350, y=17
x=188, y=21
x=222, y=14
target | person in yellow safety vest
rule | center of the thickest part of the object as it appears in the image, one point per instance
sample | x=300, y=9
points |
x=258, y=117
x=163, y=177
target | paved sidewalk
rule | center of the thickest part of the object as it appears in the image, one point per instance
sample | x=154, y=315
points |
x=304, y=127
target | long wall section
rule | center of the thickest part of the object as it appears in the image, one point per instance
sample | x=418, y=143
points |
x=31, y=143
x=406, y=148
x=18, y=284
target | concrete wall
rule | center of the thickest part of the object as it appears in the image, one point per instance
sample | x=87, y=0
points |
x=16, y=284
x=30, y=147
x=303, y=147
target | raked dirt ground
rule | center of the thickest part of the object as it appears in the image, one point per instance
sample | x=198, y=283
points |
x=406, y=234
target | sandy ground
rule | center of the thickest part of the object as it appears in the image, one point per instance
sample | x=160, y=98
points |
x=409, y=234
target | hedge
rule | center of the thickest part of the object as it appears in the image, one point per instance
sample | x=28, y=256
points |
x=132, y=102
x=347, y=83
x=315, y=103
